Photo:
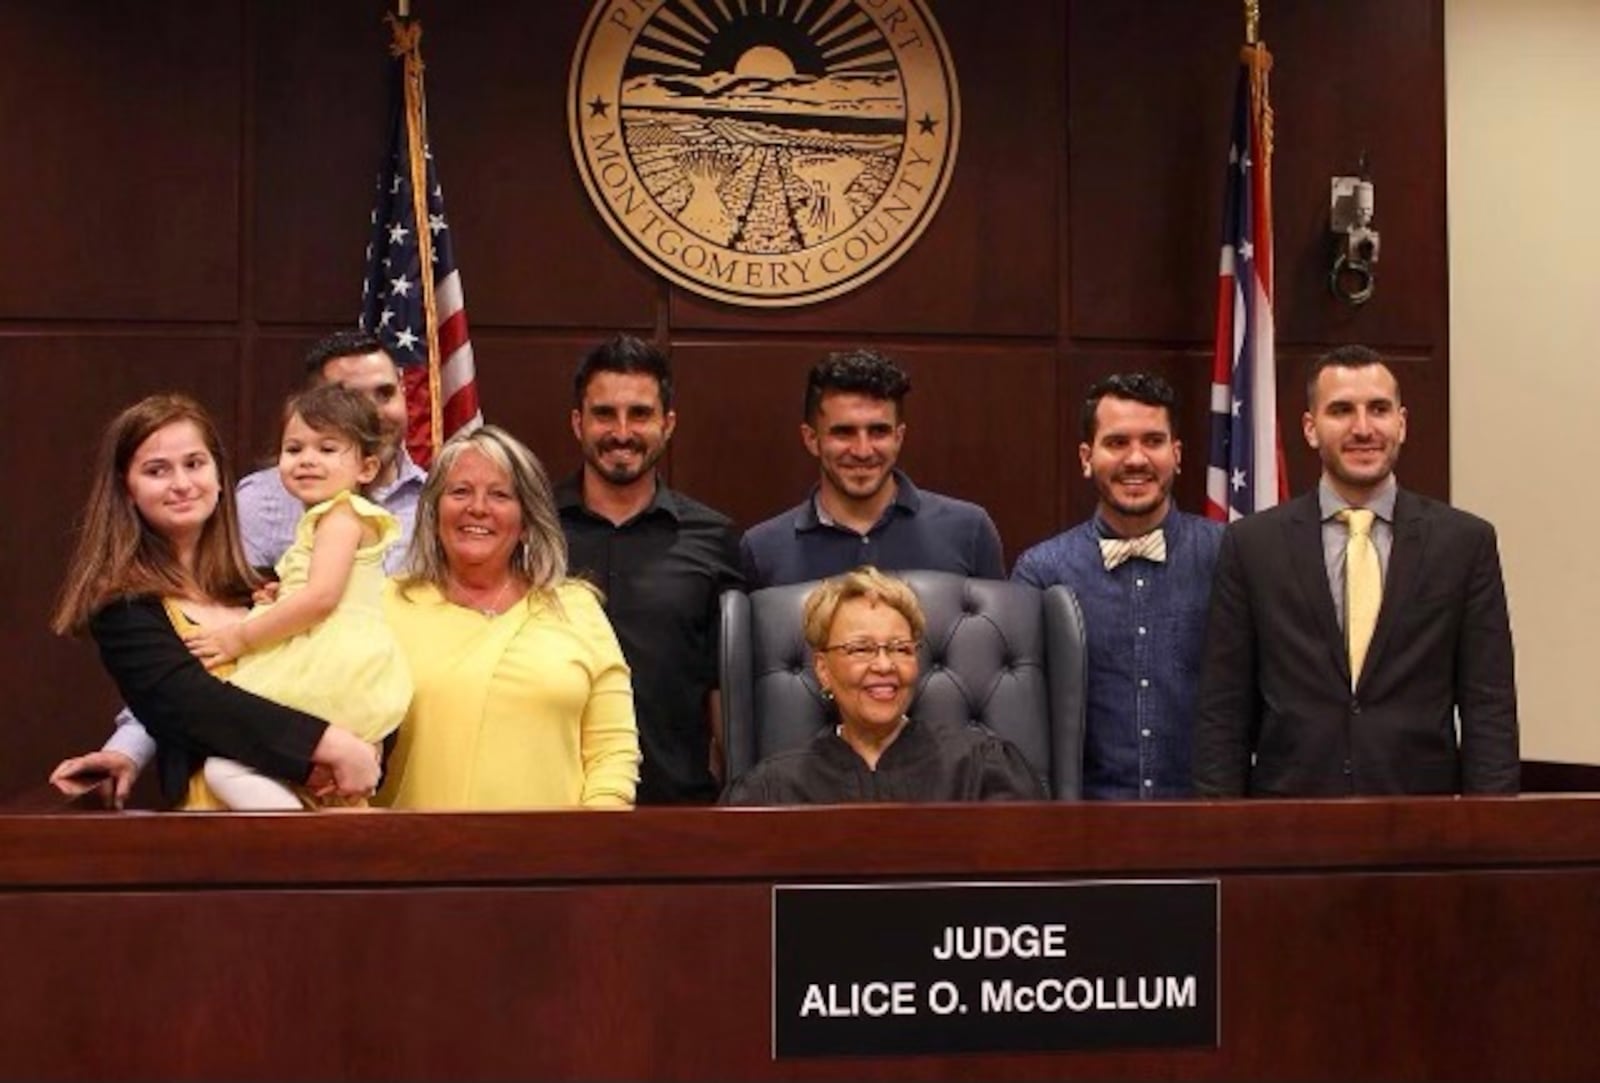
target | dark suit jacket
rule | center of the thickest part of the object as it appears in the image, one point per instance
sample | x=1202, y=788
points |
x=1276, y=713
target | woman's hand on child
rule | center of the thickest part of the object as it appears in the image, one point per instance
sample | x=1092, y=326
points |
x=218, y=646
x=351, y=761
x=266, y=593
x=320, y=782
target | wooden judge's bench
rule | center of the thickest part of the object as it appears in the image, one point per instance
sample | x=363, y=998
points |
x=1370, y=939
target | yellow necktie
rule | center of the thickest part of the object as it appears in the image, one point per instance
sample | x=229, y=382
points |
x=1363, y=587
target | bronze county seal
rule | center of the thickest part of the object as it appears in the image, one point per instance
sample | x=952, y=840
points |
x=764, y=152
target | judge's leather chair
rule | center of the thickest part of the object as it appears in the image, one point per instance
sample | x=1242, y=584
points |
x=1004, y=654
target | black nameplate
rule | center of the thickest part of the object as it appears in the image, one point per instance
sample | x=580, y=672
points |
x=968, y=968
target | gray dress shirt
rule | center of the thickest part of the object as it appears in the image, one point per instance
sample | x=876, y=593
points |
x=1335, y=534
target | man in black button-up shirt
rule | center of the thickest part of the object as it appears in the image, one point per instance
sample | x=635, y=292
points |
x=661, y=558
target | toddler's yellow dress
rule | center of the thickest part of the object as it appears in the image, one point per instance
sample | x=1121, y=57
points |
x=347, y=669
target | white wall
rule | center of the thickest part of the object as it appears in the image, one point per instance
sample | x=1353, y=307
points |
x=1522, y=84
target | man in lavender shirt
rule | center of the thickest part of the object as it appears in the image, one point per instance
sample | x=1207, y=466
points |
x=358, y=361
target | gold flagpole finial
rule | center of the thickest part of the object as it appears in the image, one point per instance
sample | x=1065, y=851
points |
x=1252, y=22
x=405, y=35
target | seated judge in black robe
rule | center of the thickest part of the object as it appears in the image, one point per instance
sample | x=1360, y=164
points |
x=864, y=628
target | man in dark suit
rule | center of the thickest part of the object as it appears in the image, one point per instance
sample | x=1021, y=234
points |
x=1351, y=626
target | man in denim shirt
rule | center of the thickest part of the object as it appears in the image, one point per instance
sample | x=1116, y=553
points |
x=1142, y=572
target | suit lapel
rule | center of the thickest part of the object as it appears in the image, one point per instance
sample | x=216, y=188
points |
x=1400, y=582
x=1303, y=530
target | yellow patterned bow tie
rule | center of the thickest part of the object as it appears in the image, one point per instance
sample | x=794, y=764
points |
x=1151, y=546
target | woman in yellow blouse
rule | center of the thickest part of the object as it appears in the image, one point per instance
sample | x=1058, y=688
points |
x=522, y=698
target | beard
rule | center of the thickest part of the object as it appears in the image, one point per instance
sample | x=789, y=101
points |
x=623, y=473
x=390, y=440
x=1157, y=493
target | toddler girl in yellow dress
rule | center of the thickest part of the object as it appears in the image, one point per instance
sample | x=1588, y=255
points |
x=322, y=646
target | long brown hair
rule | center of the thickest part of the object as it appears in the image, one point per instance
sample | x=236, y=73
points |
x=119, y=556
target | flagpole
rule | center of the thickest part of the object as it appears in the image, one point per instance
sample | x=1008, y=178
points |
x=1246, y=473
x=1255, y=56
x=408, y=39
x=1259, y=61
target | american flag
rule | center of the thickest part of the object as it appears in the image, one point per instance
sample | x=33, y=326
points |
x=412, y=295
x=1246, y=471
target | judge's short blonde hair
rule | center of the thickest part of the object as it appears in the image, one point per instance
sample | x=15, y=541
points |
x=823, y=603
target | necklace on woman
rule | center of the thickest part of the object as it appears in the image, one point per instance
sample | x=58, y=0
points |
x=495, y=607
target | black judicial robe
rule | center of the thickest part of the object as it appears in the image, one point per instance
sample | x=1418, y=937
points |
x=928, y=761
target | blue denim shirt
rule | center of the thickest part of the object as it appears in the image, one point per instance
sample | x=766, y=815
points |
x=1146, y=624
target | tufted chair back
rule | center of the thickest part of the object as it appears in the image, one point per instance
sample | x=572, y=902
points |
x=1004, y=654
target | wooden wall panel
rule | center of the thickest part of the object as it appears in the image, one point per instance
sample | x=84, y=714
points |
x=1150, y=90
x=276, y=370
x=1150, y=94
x=1425, y=388
x=737, y=451
x=57, y=699
x=1340, y=90
x=120, y=182
x=201, y=177
x=532, y=249
x=318, y=115
x=982, y=426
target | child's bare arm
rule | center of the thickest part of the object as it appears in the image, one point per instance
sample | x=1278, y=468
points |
x=333, y=551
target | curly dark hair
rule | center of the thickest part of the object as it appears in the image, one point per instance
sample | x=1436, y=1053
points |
x=351, y=343
x=862, y=372
x=625, y=354
x=1135, y=386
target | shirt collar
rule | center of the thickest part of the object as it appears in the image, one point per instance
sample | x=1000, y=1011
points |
x=907, y=498
x=1330, y=503
x=1103, y=529
x=406, y=473
x=569, y=498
